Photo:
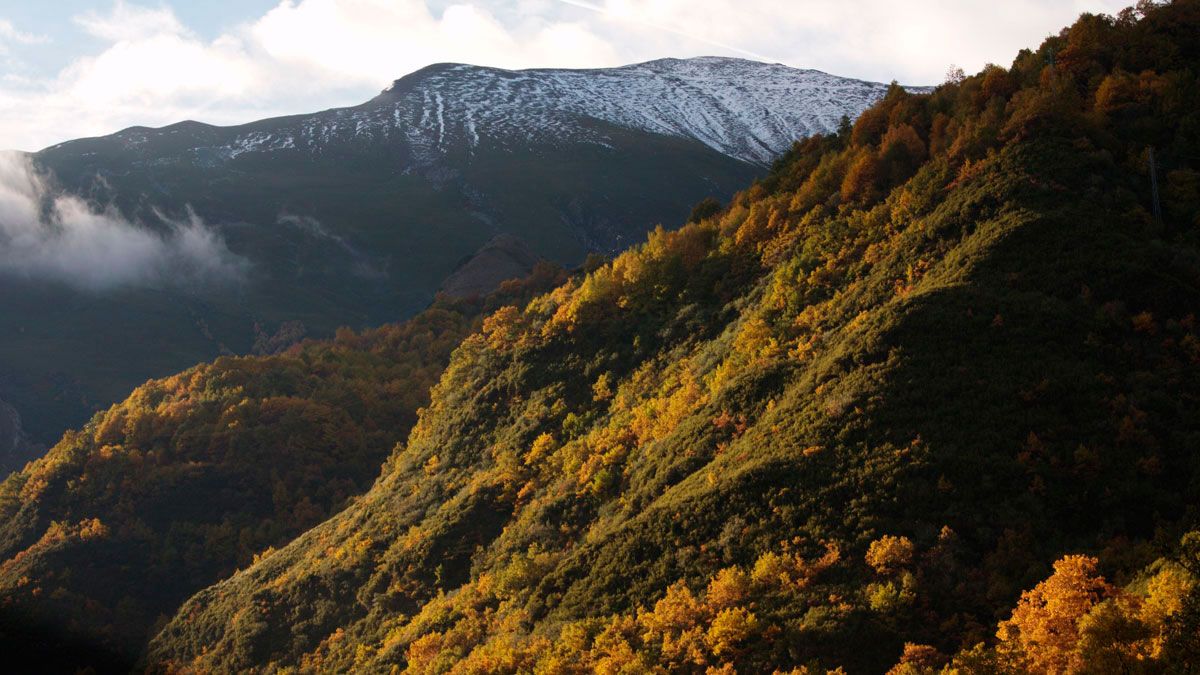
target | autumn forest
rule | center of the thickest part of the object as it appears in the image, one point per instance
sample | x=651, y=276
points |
x=922, y=399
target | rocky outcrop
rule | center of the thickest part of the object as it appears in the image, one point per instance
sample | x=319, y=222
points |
x=15, y=447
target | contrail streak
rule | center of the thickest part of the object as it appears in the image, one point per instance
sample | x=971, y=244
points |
x=599, y=9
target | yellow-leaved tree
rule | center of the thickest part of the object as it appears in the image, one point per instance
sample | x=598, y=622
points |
x=1043, y=631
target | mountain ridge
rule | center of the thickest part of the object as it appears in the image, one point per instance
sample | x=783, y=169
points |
x=690, y=74
x=935, y=369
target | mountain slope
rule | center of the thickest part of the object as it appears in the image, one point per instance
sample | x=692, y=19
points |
x=194, y=475
x=356, y=216
x=860, y=409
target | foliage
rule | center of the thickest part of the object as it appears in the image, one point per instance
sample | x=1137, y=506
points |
x=1076, y=622
x=840, y=424
x=197, y=474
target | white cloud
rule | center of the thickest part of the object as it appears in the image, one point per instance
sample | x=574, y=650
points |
x=306, y=55
x=913, y=41
x=376, y=41
x=160, y=67
x=51, y=236
x=9, y=33
x=130, y=22
x=9, y=36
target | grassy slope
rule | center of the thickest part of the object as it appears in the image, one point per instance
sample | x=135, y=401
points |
x=990, y=351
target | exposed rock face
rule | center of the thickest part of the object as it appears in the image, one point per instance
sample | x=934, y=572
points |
x=15, y=448
x=504, y=257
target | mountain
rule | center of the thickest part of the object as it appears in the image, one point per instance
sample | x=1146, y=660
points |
x=356, y=216
x=747, y=110
x=920, y=399
x=926, y=363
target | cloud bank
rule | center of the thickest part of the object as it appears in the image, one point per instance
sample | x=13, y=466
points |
x=305, y=55
x=52, y=236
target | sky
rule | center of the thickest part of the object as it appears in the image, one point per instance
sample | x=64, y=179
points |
x=76, y=68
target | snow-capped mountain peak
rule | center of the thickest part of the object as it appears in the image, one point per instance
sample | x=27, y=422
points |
x=745, y=109
x=748, y=110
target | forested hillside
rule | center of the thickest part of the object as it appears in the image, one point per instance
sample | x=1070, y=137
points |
x=940, y=358
x=198, y=474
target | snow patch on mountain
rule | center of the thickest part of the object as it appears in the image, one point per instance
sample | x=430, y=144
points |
x=745, y=109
